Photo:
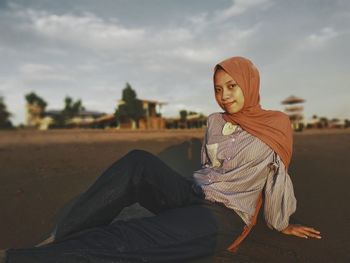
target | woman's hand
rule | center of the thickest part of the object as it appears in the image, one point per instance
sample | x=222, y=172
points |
x=301, y=231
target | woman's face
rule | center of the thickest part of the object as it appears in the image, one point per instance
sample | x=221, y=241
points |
x=228, y=94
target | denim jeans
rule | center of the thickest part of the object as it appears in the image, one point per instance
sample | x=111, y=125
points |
x=185, y=225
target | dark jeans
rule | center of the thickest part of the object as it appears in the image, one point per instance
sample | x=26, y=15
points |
x=185, y=225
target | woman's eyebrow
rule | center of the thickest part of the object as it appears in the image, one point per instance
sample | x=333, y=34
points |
x=226, y=83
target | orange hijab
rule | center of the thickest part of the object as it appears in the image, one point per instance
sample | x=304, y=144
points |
x=272, y=127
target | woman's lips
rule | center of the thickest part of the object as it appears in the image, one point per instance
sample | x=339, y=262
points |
x=229, y=104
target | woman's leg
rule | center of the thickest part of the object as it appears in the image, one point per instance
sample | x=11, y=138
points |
x=174, y=235
x=139, y=176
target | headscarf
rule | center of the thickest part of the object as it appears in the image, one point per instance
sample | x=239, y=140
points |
x=272, y=127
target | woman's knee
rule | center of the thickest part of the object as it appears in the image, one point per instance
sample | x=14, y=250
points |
x=139, y=154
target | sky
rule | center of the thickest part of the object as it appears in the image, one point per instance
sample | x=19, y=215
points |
x=166, y=50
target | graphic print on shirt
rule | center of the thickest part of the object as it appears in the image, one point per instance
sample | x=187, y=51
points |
x=221, y=144
x=212, y=150
x=228, y=128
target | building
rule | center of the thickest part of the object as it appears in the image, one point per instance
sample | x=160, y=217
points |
x=43, y=120
x=34, y=115
x=152, y=120
x=294, y=109
x=323, y=122
x=192, y=121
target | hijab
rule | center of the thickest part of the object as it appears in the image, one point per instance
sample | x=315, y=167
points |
x=272, y=127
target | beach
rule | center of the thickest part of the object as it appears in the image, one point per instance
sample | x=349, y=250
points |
x=40, y=171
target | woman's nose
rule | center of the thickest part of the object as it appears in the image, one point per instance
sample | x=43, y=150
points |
x=225, y=94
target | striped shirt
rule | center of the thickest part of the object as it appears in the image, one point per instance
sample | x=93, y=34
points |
x=237, y=166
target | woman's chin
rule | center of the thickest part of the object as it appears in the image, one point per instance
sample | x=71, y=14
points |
x=230, y=111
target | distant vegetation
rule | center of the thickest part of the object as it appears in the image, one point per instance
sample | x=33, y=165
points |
x=71, y=109
x=131, y=108
x=33, y=99
x=5, y=115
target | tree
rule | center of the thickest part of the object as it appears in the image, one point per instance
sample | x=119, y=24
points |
x=192, y=113
x=187, y=120
x=183, y=115
x=71, y=109
x=32, y=98
x=183, y=119
x=346, y=123
x=35, y=108
x=5, y=115
x=131, y=108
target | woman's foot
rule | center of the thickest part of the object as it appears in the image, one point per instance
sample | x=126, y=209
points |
x=46, y=241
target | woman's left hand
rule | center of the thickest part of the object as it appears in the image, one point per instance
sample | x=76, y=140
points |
x=301, y=231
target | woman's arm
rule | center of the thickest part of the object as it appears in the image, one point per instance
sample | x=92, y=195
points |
x=280, y=203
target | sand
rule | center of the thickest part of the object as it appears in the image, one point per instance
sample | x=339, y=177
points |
x=40, y=171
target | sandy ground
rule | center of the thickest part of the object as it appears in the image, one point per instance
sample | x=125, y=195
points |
x=41, y=171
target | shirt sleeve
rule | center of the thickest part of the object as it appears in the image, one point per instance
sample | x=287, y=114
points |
x=204, y=157
x=280, y=201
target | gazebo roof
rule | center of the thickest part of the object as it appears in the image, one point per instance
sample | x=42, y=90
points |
x=292, y=100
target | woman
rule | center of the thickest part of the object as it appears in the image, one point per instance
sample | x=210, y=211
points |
x=245, y=153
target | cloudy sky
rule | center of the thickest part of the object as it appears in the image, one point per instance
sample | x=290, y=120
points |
x=166, y=50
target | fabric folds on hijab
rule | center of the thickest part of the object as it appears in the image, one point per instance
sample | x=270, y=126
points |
x=272, y=127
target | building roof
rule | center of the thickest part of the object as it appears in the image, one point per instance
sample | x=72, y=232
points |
x=293, y=100
x=52, y=113
x=83, y=113
x=107, y=117
x=147, y=101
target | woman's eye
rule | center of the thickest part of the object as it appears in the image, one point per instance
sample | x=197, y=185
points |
x=232, y=86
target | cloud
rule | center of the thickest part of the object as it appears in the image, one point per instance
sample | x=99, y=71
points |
x=108, y=35
x=35, y=73
x=92, y=32
x=86, y=30
x=155, y=59
x=239, y=7
x=198, y=19
x=319, y=39
x=3, y=4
